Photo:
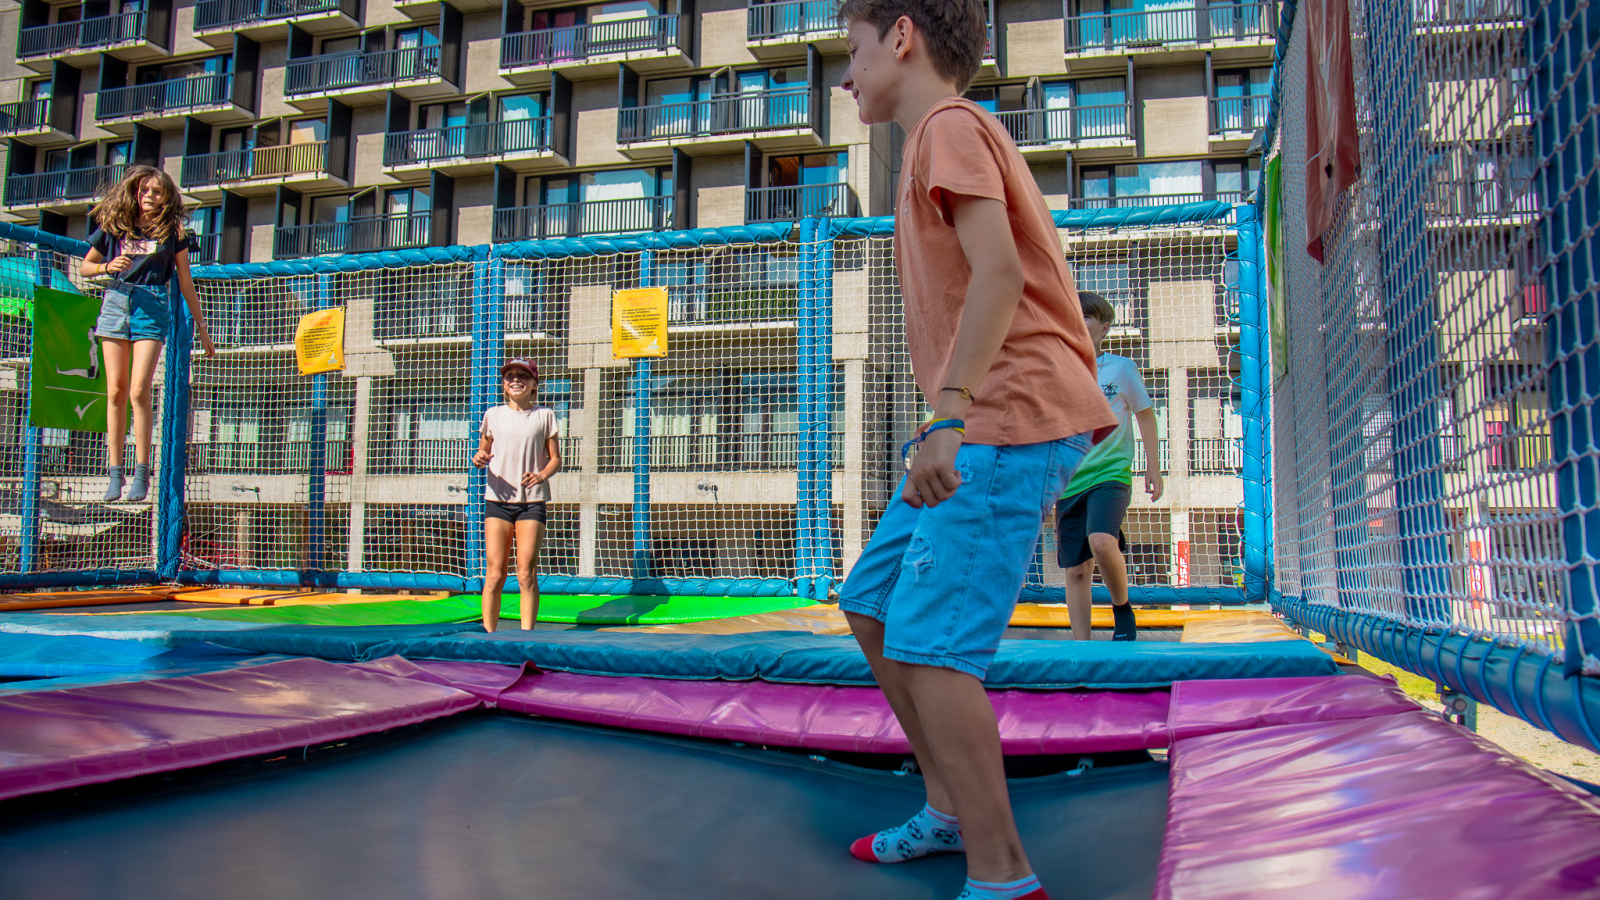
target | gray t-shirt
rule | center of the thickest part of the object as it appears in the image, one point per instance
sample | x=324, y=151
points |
x=519, y=446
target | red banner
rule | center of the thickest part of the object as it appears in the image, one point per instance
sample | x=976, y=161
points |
x=1333, y=150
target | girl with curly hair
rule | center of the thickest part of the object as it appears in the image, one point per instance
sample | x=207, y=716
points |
x=138, y=240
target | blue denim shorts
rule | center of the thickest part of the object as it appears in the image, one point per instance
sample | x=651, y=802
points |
x=944, y=580
x=131, y=312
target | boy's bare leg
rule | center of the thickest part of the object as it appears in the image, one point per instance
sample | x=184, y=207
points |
x=891, y=679
x=1080, y=599
x=1113, y=568
x=958, y=725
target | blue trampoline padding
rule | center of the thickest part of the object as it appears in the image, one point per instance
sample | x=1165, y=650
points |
x=190, y=659
x=46, y=656
x=338, y=643
x=827, y=659
x=145, y=629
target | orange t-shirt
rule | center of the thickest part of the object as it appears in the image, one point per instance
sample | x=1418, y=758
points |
x=1042, y=385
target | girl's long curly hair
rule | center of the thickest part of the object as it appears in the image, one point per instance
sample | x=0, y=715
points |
x=118, y=213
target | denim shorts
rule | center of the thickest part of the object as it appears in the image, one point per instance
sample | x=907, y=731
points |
x=132, y=312
x=944, y=580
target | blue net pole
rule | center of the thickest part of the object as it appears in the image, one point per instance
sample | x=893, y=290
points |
x=1561, y=41
x=488, y=345
x=172, y=481
x=641, y=566
x=807, y=346
x=317, y=475
x=30, y=452
x=1252, y=385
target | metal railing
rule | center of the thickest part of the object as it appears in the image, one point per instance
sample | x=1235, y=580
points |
x=1080, y=123
x=70, y=184
x=591, y=217
x=1238, y=113
x=1467, y=12
x=404, y=457
x=693, y=304
x=574, y=43
x=223, y=13
x=1137, y=200
x=409, y=317
x=727, y=113
x=1163, y=454
x=1518, y=452
x=782, y=204
x=164, y=96
x=24, y=114
x=1095, y=31
x=1492, y=196
x=467, y=141
x=267, y=457
x=792, y=19
x=261, y=162
x=1215, y=456
x=344, y=70
x=394, y=232
x=87, y=34
x=208, y=249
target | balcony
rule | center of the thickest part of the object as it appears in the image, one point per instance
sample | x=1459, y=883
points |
x=1089, y=132
x=125, y=36
x=412, y=72
x=577, y=219
x=168, y=103
x=1457, y=16
x=1518, y=452
x=1234, y=120
x=363, y=234
x=1163, y=451
x=1505, y=200
x=29, y=122
x=66, y=189
x=649, y=44
x=267, y=458
x=788, y=204
x=772, y=29
x=260, y=170
x=1165, y=29
x=1138, y=200
x=773, y=119
x=520, y=144
x=209, y=250
x=218, y=20
x=1215, y=456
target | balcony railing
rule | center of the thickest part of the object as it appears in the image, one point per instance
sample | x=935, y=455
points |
x=209, y=249
x=396, y=232
x=792, y=18
x=1137, y=200
x=1163, y=451
x=1080, y=123
x=222, y=13
x=1215, y=456
x=347, y=70
x=728, y=113
x=575, y=219
x=87, y=34
x=1490, y=197
x=467, y=141
x=267, y=458
x=1513, y=453
x=408, y=317
x=784, y=204
x=709, y=305
x=261, y=162
x=1238, y=113
x=71, y=184
x=164, y=96
x=24, y=115
x=1467, y=12
x=1154, y=28
x=413, y=456
x=553, y=46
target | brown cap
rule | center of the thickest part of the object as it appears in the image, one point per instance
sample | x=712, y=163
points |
x=519, y=363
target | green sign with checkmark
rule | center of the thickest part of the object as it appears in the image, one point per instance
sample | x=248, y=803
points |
x=67, y=387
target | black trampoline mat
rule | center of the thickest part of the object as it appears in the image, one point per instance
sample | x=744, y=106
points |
x=501, y=806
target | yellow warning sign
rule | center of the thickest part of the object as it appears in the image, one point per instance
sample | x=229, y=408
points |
x=319, y=341
x=639, y=323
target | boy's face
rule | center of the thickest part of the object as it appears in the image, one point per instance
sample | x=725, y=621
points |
x=876, y=68
x=1097, y=329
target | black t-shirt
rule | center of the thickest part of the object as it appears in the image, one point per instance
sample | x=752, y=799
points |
x=150, y=263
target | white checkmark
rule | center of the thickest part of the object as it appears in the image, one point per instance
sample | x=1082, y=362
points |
x=84, y=408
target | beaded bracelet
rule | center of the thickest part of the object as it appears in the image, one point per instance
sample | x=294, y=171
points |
x=935, y=425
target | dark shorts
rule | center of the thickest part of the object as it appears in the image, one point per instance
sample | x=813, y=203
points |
x=1098, y=510
x=514, y=512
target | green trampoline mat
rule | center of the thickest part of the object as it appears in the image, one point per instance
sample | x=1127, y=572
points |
x=577, y=609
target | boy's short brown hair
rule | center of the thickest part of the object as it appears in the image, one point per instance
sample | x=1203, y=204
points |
x=957, y=30
x=1097, y=306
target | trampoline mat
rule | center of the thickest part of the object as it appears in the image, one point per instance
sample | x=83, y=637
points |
x=502, y=806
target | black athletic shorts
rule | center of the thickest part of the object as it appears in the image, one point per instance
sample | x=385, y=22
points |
x=514, y=512
x=1098, y=510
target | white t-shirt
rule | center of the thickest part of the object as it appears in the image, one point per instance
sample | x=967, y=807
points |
x=519, y=446
x=1112, y=458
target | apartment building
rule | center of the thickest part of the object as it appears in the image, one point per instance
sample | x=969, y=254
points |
x=302, y=128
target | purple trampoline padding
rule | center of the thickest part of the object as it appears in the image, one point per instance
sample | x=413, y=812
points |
x=1403, y=805
x=1211, y=707
x=485, y=681
x=57, y=739
x=826, y=717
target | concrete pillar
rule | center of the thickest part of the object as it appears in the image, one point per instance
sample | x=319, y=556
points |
x=588, y=536
x=360, y=437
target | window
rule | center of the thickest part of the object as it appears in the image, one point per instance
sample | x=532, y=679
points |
x=1241, y=101
x=1237, y=181
x=308, y=131
x=341, y=46
x=119, y=153
x=1142, y=184
x=40, y=90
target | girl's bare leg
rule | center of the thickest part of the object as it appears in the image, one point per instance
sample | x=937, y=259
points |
x=530, y=536
x=496, y=548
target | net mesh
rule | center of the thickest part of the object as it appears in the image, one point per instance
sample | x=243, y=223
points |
x=1414, y=472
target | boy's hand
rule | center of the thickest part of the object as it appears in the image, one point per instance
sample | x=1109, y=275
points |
x=1153, y=485
x=933, y=477
x=481, y=458
x=529, y=479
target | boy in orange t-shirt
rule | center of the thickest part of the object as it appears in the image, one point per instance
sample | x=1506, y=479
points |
x=999, y=349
